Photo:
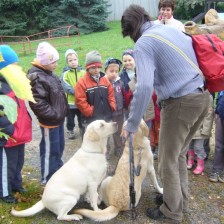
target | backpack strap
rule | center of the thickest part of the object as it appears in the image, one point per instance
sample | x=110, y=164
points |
x=178, y=50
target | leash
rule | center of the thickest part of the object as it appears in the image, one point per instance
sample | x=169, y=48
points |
x=132, y=192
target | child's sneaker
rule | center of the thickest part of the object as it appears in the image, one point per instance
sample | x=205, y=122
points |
x=221, y=177
x=215, y=177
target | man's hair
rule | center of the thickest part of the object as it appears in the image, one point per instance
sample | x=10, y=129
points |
x=166, y=3
x=132, y=20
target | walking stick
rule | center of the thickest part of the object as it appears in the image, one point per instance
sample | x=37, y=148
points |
x=132, y=192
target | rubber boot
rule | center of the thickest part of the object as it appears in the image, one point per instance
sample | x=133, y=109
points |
x=200, y=166
x=190, y=159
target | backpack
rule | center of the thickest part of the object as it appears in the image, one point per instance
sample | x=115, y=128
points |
x=23, y=125
x=209, y=50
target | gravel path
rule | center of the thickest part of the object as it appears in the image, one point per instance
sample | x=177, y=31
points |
x=206, y=199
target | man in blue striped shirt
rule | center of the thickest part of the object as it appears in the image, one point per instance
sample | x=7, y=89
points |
x=181, y=94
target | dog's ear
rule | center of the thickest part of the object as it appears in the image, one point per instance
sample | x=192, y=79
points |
x=145, y=129
x=92, y=135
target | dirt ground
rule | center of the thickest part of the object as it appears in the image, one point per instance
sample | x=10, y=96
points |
x=206, y=198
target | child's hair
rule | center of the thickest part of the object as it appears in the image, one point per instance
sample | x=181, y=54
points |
x=166, y=3
x=128, y=52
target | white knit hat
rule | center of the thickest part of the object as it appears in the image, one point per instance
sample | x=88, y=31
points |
x=70, y=51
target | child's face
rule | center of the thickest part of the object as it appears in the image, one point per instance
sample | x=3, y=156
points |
x=94, y=71
x=72, y=61
x=112, y=72
x=129, y=62
x=166, y=12
x=51, y=67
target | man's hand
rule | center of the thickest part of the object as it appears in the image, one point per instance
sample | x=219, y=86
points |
x=126, y=134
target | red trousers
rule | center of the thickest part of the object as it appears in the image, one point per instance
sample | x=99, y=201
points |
x=154, y=133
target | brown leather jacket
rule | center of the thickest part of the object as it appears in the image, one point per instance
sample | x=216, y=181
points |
x=51, y=105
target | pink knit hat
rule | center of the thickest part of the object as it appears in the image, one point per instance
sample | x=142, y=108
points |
x=46, y=53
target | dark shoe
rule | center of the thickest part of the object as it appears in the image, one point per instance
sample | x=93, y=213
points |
x=20, y=190
x=71, y=134
x=43, y=183
x=156, y=214
x=214, y=177
x=9, y=199
x=155, y=154
x=159, y=199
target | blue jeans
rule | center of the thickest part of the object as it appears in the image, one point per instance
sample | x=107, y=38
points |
x=198, y=146
x=51, y=151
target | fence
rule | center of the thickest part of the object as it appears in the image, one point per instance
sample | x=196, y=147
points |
x=117, y=7
x=28, y=44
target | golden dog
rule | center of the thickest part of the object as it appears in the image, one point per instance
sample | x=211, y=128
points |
x=114, y=191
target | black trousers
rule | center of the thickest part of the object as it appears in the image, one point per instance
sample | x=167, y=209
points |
x=71, y=118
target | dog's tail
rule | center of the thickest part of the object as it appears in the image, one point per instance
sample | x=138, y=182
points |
x=100, y=215
x=39, y=206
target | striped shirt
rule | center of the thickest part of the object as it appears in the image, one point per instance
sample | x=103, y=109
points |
x=160, y=67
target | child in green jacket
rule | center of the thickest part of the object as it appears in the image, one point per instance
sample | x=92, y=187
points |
x=69, y=78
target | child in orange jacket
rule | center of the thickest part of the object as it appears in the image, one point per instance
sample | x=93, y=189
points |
x=94, y=93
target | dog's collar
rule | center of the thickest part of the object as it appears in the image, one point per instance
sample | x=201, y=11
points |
x=91, y=152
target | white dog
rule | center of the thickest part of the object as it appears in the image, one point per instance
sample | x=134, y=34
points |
x=114, y=191
x=80, y=175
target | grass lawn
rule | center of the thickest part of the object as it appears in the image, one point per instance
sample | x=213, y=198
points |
x=109, y=43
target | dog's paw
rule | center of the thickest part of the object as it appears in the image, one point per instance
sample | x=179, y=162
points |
x=80, y=217
x=71, y=217
x=160, y=190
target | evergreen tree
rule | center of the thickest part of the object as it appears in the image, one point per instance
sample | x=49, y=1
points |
x=88, y=15
x=24, y=17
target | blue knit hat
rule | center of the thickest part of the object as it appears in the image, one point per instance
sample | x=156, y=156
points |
x=7, y=56
x=112, y=61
